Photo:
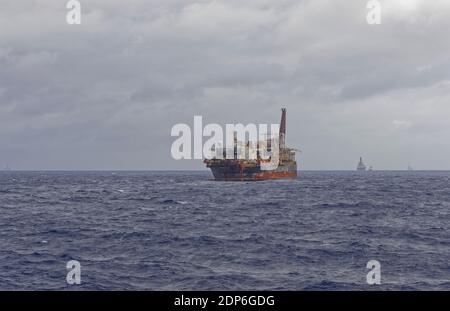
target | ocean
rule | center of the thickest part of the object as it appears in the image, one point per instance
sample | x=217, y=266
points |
x=185, y=231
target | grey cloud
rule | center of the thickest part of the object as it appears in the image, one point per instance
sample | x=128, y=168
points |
x=105, y=94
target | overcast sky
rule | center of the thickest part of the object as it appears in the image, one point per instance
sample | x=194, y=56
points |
x=105, y=94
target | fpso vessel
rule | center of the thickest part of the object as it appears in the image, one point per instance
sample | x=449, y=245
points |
x=250, y=170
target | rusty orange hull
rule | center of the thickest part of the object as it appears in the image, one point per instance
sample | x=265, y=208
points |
x=234, y=170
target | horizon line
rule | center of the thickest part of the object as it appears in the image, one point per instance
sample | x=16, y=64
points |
x=206, y=170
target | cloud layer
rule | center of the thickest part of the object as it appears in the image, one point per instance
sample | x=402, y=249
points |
x=105, y=94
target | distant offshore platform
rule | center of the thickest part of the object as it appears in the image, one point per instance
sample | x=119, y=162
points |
x=362, y=167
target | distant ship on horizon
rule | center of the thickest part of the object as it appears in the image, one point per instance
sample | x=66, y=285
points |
x=7, y=168
x=361, y=166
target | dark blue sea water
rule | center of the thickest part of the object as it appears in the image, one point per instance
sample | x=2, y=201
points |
x=184, y=231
